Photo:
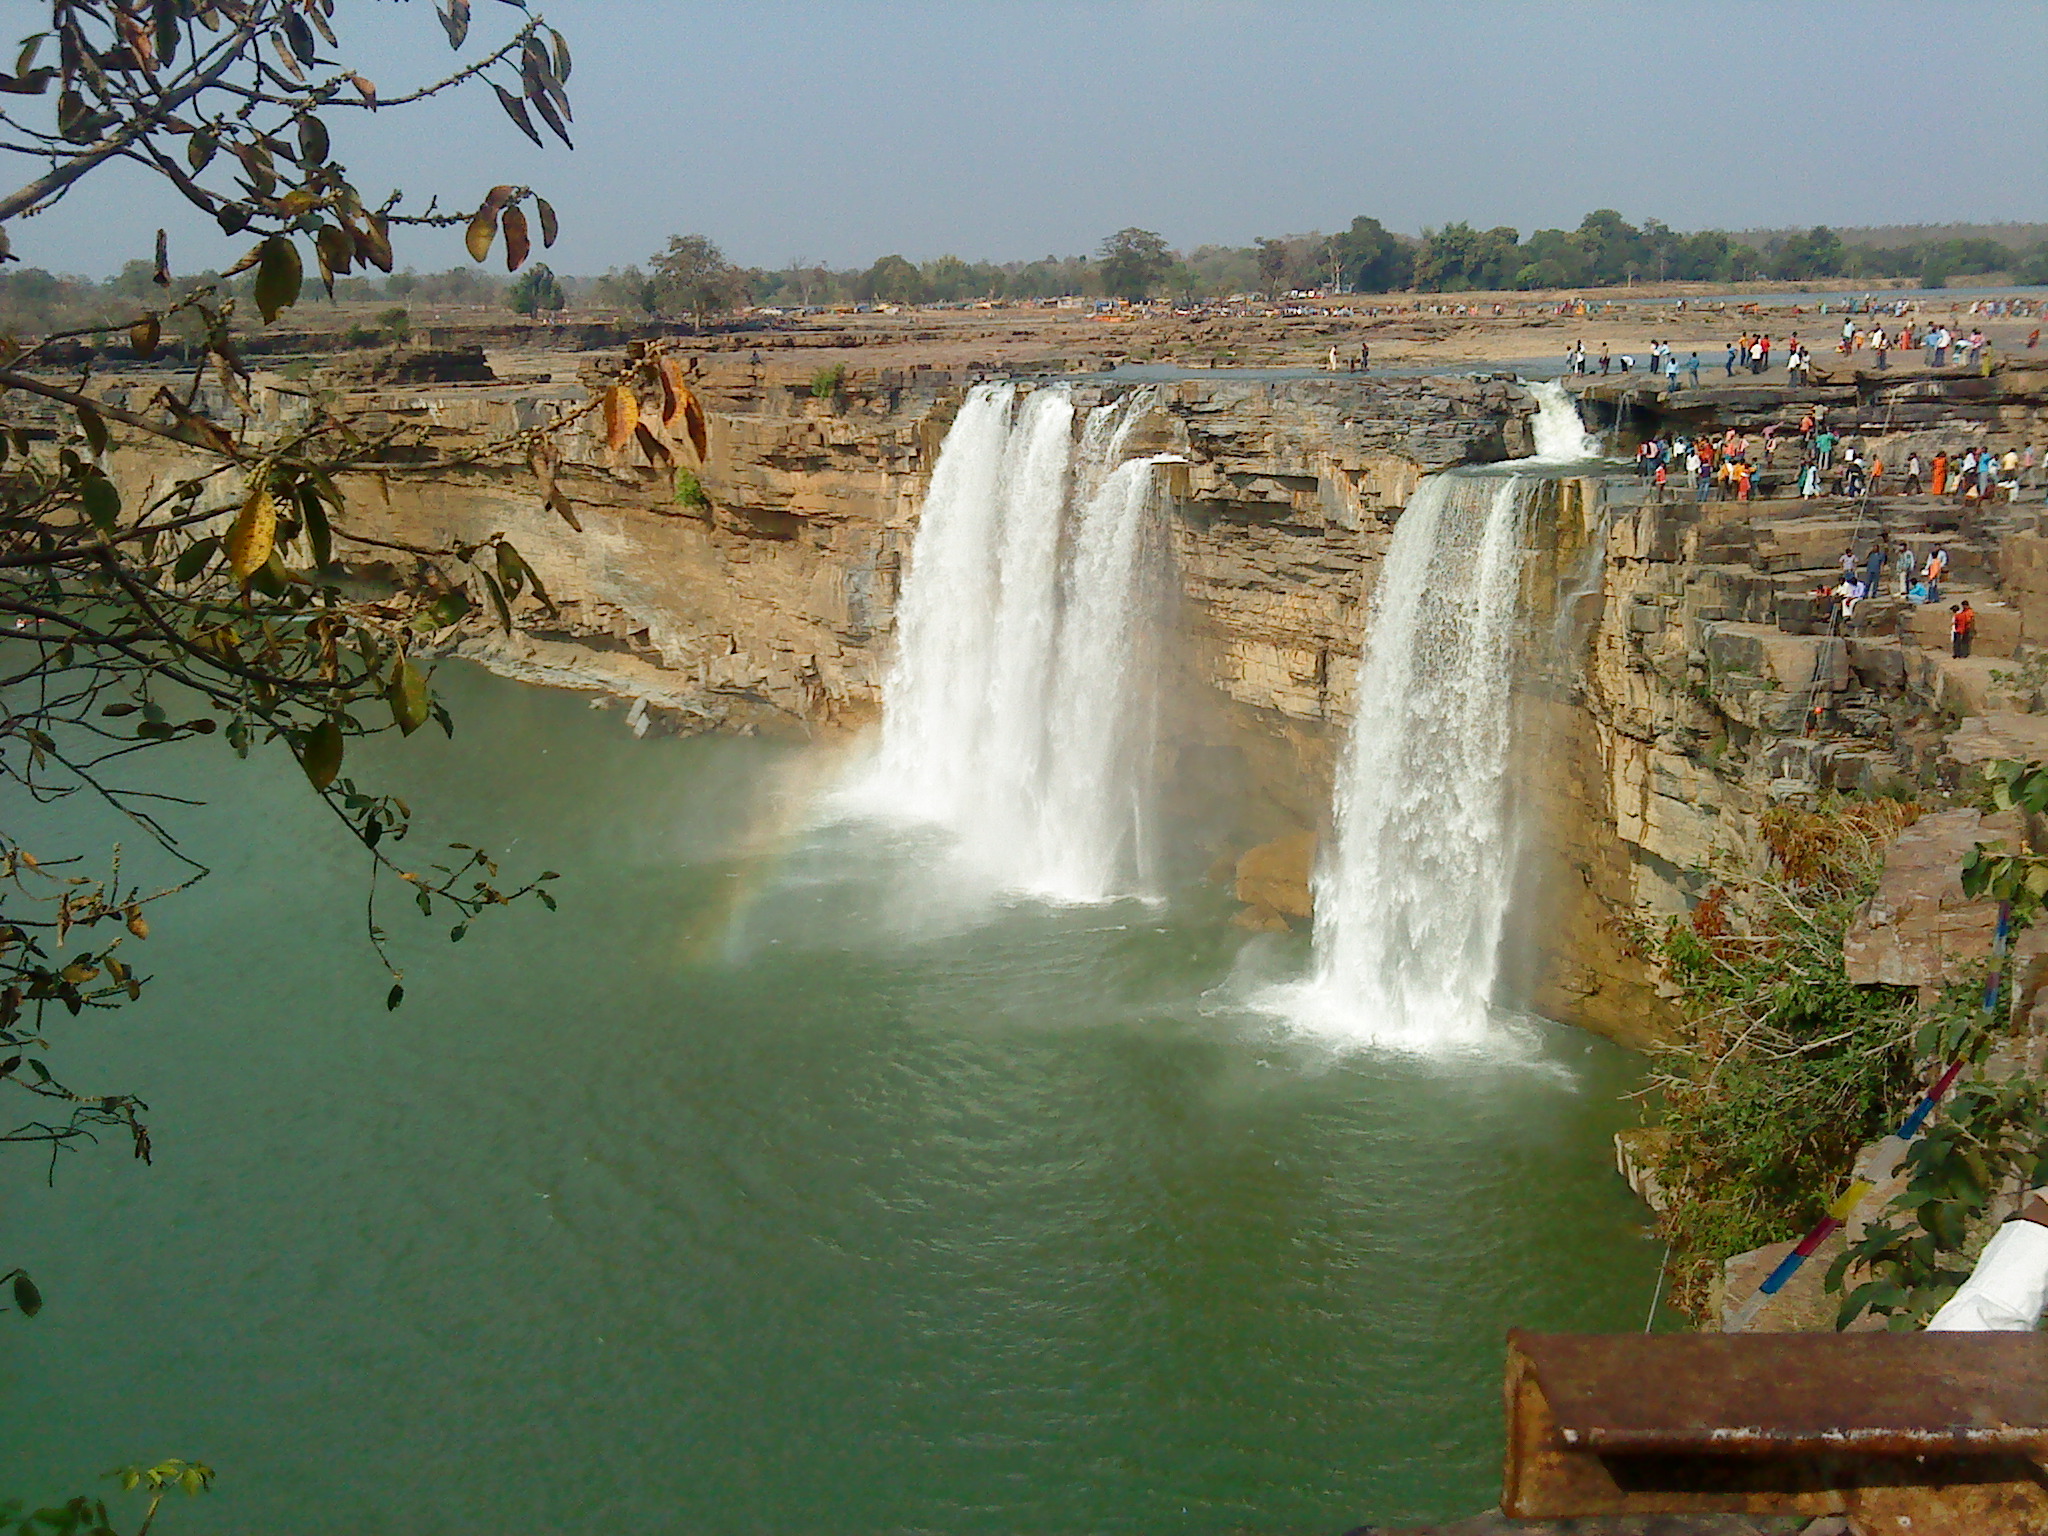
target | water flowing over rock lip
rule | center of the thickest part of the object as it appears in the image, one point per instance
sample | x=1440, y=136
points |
x=1019, y=716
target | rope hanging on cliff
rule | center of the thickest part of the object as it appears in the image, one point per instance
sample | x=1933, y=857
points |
x=1840, y=1211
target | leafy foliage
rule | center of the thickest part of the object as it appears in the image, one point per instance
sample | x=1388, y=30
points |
x=1786, y=1068
x=248, y=592
x=1991, y=1137
x=828, y=381
x=1133, y=263
x=89, y=1517
x=537, y=291
x=2018, y=877
x=693, y=277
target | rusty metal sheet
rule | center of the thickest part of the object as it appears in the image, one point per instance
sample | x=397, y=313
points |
x=1873, y=1394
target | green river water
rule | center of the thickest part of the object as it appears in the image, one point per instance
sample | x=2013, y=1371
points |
x=771, y=1187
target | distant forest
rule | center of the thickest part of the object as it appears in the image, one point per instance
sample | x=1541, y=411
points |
x=1604, y=251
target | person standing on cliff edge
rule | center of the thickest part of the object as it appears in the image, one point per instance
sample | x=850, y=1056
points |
x=1963, y=626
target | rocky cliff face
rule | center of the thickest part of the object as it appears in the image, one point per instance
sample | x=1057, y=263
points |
x=1673, y=689
x=1711, y=689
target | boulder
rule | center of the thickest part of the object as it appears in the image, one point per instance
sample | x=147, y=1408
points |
x=1260, y=919
x=1919, y=929
x=1879, y=667
x=1794, y=662
x=1275, y=876
x=1971, y=685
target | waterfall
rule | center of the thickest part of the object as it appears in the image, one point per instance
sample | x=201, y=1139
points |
x=1412, y=896
x=1019, y=714
x=1559, y=435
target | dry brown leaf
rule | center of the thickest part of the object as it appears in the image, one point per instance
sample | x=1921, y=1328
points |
x=483, y=228
x=621, y=416
x=673, y=390
x=564, y=509
x=540, y=458
x=517, y=241
x=695, y=424
x=656, y=450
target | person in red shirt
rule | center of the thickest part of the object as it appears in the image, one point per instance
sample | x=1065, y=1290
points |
x=1962, y=627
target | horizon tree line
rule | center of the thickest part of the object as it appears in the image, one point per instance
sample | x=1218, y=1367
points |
x=692, y=278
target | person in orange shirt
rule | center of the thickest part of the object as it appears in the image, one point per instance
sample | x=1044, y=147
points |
x=1939, y=483
x=1963, y=626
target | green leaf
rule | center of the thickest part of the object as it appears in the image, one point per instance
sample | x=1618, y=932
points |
x=321, y=754
x=516, y=110
x=195, y=556
x=497, y=599
x=319, y=533
x=407, y=695
x=95, y=428
x=539, y=591
x=511, y=569
x=279, y=276
x=448, y=608
x=102, y=502
x=26, y=1296
x=166, y=31
x=299, y=38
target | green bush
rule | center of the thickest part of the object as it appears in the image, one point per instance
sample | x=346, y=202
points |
x=689, y=489
x=827, y=382
x=396, y=323
x=1785, y=1068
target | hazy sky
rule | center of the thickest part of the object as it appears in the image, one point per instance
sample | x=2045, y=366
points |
x=839, y=130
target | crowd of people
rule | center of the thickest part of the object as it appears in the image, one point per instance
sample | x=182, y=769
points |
x=1750, y=352
x=1733, y=466
x=1914, y=578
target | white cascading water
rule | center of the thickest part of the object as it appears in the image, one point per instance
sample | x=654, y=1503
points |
x=1559, y=436
x=1020, y=712
x=1411, y=901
